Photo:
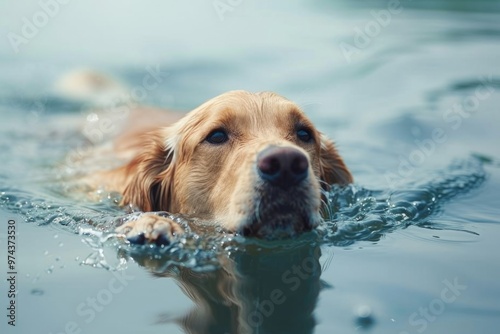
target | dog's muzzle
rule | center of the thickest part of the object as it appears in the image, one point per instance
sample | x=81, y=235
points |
x=282, y=166
x=284, y=205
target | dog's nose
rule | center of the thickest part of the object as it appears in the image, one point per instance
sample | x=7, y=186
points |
x=282, y=166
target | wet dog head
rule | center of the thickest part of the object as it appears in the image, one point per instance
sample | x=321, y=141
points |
x=253, y=163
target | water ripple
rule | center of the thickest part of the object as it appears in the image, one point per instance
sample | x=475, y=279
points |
x=355, y=214
x=367, y=215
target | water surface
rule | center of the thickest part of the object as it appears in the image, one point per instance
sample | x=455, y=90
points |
x=411, y=247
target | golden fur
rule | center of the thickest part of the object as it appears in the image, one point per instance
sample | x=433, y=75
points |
x=174, y=168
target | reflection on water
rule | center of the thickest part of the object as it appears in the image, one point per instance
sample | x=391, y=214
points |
x=260, y=290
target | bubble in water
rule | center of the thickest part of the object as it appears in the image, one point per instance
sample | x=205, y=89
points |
x=50, y=270
x=364, y=316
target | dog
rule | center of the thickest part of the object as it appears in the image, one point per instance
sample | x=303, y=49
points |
x=250, y=163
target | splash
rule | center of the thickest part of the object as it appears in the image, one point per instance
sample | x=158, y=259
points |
x=361, y=214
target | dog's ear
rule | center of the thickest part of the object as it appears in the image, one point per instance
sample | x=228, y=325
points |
x=332, y=168
x=149, y=174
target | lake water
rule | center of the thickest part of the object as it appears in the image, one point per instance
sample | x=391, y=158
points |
x=410, y=92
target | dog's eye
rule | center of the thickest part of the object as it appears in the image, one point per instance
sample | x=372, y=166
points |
x=304, y=135
x=217, y=137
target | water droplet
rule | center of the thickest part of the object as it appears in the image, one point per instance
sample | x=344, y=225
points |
x=61, y=244
x=46, y=252
x=77, y=258
x=56, y=236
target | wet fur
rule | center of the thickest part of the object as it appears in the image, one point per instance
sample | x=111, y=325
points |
x=174, y=169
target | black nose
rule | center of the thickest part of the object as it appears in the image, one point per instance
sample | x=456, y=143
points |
x=282, y=166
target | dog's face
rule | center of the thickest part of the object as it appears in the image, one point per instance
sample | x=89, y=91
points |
x=253, y=163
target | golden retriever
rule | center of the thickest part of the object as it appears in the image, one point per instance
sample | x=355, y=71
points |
x=251, y=163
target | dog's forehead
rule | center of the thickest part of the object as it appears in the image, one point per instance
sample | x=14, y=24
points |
x=259, y=110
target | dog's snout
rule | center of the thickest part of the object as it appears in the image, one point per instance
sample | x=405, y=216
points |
x=282, y=166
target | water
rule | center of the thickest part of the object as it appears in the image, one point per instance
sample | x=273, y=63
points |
x=413, y=107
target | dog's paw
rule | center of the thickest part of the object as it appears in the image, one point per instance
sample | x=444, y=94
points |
x=150, y=228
